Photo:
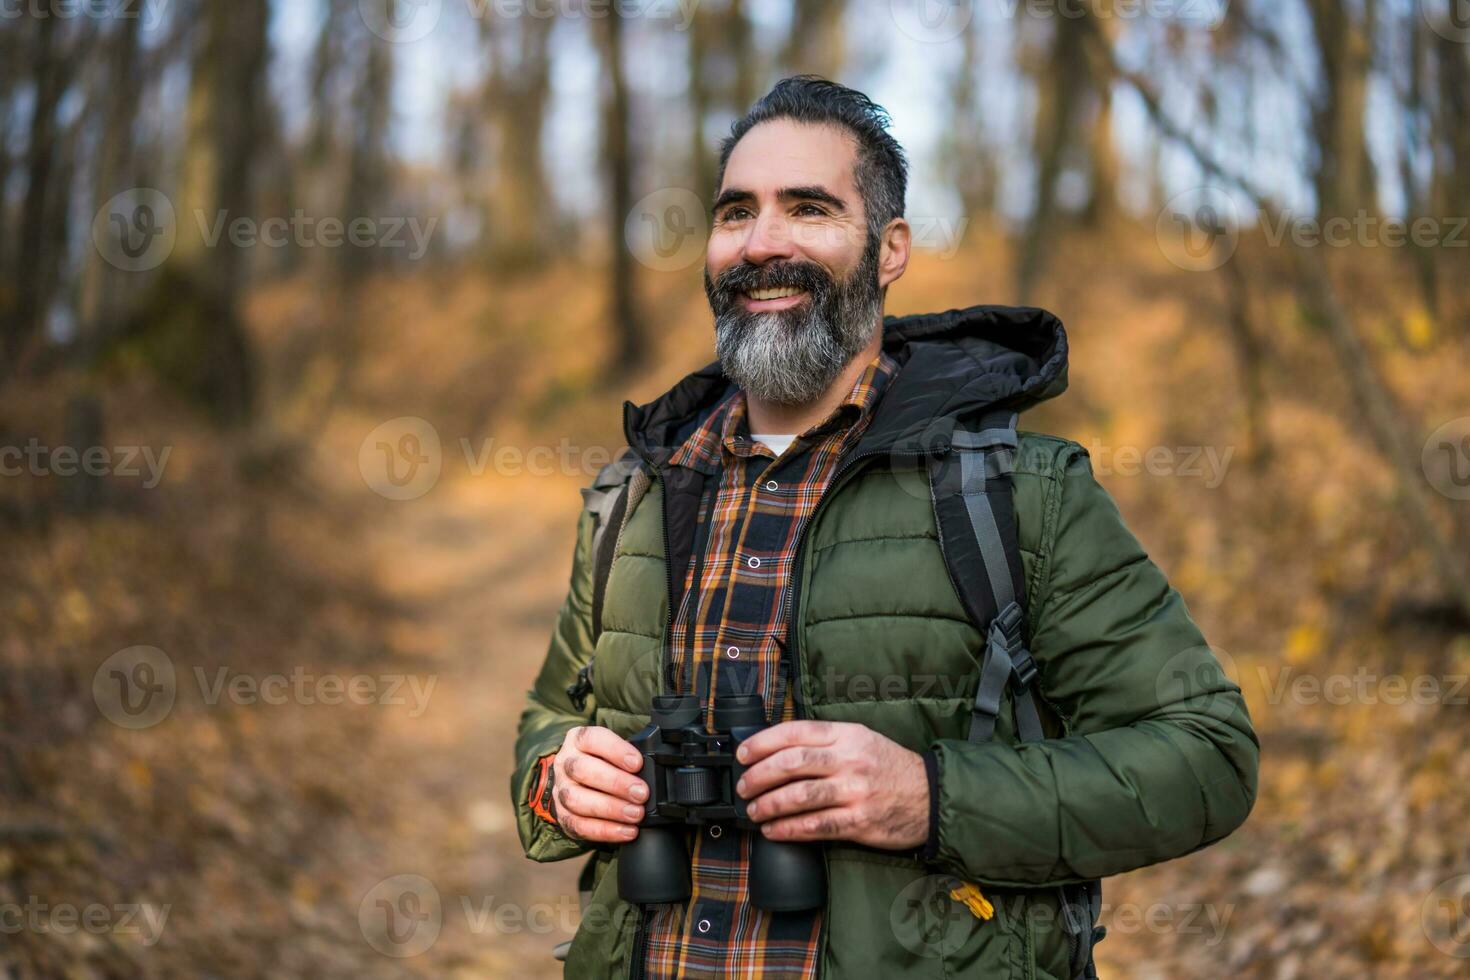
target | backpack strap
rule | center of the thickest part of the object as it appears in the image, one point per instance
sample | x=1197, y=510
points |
x=975, y=514
x=615, y=491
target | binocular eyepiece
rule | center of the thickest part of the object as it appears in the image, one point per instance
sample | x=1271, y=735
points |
x=691, y=775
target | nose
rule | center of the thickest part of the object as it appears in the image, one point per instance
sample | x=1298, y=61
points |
x=770, y=238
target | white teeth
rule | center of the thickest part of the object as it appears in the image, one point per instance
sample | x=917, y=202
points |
x=773, y=293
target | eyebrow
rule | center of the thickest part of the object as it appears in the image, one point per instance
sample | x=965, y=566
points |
x=806, y=192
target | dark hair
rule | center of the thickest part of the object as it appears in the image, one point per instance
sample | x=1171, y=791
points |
x=881, y=172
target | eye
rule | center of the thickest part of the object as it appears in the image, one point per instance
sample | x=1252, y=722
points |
x=809, y=210
x=735, y=212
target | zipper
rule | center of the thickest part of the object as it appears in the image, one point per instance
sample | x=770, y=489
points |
x=638, y=969
x=793, y=587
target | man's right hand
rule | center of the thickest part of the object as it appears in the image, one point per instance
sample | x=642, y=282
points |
x=597, y=795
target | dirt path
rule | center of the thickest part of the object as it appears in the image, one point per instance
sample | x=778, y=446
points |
x=478, y=566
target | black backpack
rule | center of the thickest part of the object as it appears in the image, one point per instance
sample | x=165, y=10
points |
x=970, y=483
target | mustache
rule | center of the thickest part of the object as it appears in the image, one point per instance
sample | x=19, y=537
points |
x=744, y=277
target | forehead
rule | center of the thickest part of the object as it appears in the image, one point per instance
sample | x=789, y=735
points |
x=786, y=153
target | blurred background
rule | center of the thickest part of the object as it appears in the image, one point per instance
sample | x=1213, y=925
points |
x=314, y=315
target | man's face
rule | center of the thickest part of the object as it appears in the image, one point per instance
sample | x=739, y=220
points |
x=792, y=276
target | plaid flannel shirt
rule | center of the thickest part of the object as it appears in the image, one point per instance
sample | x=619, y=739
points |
x=728, y=636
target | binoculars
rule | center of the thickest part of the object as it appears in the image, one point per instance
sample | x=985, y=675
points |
x=691, y=775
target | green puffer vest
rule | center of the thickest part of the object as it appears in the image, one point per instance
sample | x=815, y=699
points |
x=1152, y=754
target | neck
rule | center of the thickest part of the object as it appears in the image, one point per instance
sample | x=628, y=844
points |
x=771, y=417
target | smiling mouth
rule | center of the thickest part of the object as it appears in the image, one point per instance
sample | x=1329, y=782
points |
x=779, y=293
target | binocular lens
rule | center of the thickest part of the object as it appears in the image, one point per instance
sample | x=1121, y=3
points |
x=739, y=711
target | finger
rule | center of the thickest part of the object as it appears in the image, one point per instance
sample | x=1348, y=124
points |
x=802, y=796
x=836, y=823
x=603, y=743
x=783, y=766
x=598, y=831
x=788, y=733
x=594, y=773
x=582, y=802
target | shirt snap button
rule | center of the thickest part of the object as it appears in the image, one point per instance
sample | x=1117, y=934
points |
x=732, y=652
x=771, y=485
x=753, y=562
x=704, y=925
x=715, y=830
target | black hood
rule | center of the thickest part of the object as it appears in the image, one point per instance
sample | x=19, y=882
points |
x=952, y=365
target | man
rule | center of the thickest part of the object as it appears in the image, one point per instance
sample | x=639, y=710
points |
x=786, y=545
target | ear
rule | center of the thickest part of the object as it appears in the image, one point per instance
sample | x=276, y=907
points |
x=893, y=251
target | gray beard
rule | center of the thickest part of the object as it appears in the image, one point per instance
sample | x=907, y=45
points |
x=791, y=359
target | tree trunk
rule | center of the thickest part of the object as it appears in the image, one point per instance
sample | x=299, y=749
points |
x=1060, y=85
x=35, y=244
x=617, y=150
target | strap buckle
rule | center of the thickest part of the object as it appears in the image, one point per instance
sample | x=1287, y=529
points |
x=1025, y=667
x=578, y=690
x=1005, y=637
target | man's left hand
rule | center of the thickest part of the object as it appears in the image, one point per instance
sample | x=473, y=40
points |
x=829, y=780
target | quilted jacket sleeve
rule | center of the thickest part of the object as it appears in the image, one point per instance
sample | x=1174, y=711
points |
x=1159, y=757
x=549, y=713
